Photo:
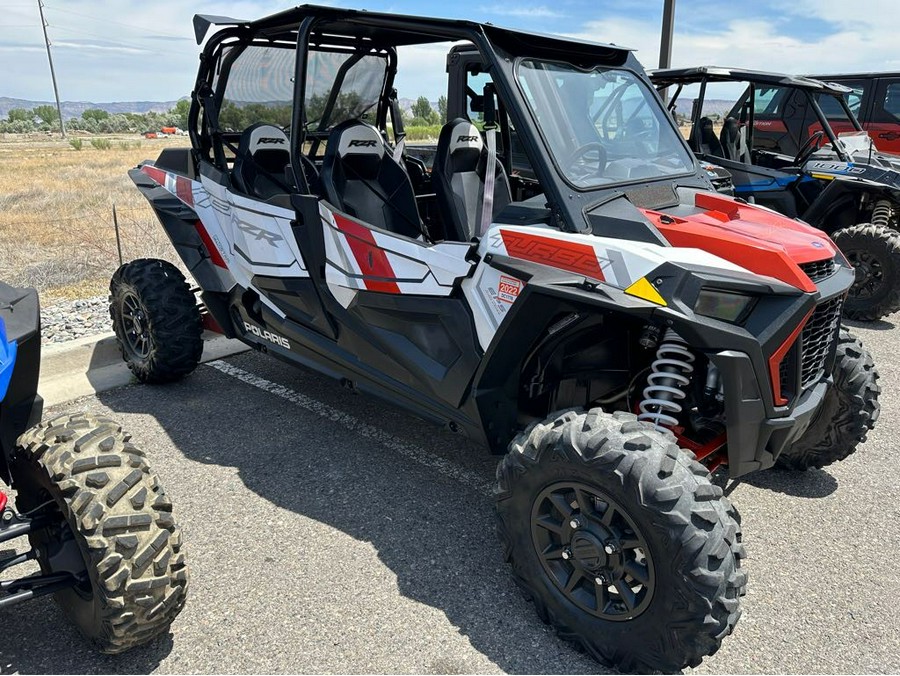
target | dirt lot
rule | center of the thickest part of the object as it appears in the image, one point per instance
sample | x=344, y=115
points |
x=56, y=226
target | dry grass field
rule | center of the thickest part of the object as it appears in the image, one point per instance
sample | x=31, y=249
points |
x=56, y=225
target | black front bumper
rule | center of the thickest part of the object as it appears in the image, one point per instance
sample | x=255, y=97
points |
x=755, y=440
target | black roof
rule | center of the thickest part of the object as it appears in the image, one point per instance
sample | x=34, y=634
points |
x=856, y=76
x=668, y=76
x=395, y=29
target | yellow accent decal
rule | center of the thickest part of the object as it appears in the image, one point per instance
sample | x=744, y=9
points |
x=824, y=177
x=644, y=289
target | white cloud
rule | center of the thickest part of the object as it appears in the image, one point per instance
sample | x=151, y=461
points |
x=526, y=12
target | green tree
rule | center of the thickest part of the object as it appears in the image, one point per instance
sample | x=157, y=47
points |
x=20, y=115
x=442, y=109
x=47, y=114
x=180, y=112
x=94, y=114
x=422, y=109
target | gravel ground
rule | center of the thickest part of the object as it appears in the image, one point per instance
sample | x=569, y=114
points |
x=70, y=319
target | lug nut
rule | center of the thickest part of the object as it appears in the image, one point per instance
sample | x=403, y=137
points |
x=609, y=549
x=566, y=554
x=575, y=523
x=600, y=580
x=7, y=515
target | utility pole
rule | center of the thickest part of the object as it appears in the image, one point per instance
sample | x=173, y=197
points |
x=665, y=41
x=62, y=125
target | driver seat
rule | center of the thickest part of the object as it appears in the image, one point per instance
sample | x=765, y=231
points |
x=709, y=143
x=460, y=167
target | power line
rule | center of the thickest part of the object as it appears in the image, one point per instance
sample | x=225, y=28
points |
x=142, y=29
x=62, y=124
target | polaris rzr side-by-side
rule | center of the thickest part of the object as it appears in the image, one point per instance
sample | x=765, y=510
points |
x=605, y=319
x=779, y=144
x=98, y=522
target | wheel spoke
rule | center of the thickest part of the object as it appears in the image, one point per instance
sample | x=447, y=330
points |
x=608, y=515
x=548, y=523
x=553, y=552
x=561, y=504
x=628, y=596
x=601, y=594
x=638, y=571
x=574, y=578
x=585, y=503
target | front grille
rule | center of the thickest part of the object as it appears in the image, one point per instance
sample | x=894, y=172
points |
x=818, y=270
x=816, y=340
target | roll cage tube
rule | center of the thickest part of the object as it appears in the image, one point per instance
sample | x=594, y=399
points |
x=838, y=147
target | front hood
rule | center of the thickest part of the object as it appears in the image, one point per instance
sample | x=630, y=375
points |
x=757, y=239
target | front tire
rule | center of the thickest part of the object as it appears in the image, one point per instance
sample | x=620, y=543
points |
x=156, y=320
x=620, y=540
x=115, y=530
x=846, y=415
x=874, y=252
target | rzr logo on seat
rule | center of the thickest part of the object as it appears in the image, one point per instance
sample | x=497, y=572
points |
x=466, y=139
x=359, y=143
x=265, y=335
x=267, y=139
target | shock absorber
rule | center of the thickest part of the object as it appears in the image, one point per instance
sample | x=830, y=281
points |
x=881, y=214
x=669, y=377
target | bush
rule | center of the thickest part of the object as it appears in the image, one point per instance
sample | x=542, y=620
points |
x=76, y=143
x=423, y=133
x=101, y=143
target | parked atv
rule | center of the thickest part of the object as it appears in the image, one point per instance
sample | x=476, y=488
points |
x=782, y=151
x=602, y=316
x=98, y=521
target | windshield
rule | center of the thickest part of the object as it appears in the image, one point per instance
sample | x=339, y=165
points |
x=602, y=125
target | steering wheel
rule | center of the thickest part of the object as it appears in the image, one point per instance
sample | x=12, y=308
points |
x=579, y=157
x=808, y=148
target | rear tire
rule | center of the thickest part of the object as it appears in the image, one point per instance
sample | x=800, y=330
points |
x=156, y=320
x=874, y=251
x=845, y=417
x=115, y=531
x=673, y=563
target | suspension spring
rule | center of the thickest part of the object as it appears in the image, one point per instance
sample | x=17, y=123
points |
x=670, y=375
x=882, y=213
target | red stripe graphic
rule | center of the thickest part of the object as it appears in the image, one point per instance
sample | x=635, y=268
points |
x=372, y=261
x=572, y=256
x=157, y=175
x=214, y=254
x=183, y=190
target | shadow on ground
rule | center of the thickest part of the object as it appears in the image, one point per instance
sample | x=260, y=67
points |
x=813, y=483
x=435, y=533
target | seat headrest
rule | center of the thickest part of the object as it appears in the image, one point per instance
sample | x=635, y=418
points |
x=463, y=144
x=263, y=136
x=358, y=138
x=730, y=129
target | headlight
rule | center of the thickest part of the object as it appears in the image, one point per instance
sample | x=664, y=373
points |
x=725, y=305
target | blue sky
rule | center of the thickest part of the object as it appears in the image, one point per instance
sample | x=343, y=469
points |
x=118, y=50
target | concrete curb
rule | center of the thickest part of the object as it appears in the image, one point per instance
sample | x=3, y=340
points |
x=93, y=364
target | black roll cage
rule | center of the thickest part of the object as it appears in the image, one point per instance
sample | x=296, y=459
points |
x=312, y=27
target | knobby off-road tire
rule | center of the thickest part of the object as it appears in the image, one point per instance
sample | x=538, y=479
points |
x=875, y=251
x=662, y=498
x=848, y=412
x=106, y=497
x=156, y=320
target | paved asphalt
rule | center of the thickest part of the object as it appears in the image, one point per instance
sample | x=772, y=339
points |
x=328, y=532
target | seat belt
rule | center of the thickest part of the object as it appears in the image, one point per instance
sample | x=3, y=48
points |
x=399, y=131
x=490, y=170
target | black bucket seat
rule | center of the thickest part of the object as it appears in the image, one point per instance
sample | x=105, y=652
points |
x=460, y=167
x=361, y=178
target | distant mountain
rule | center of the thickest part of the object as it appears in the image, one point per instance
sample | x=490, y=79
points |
x=76, y=108
x=720, y=107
